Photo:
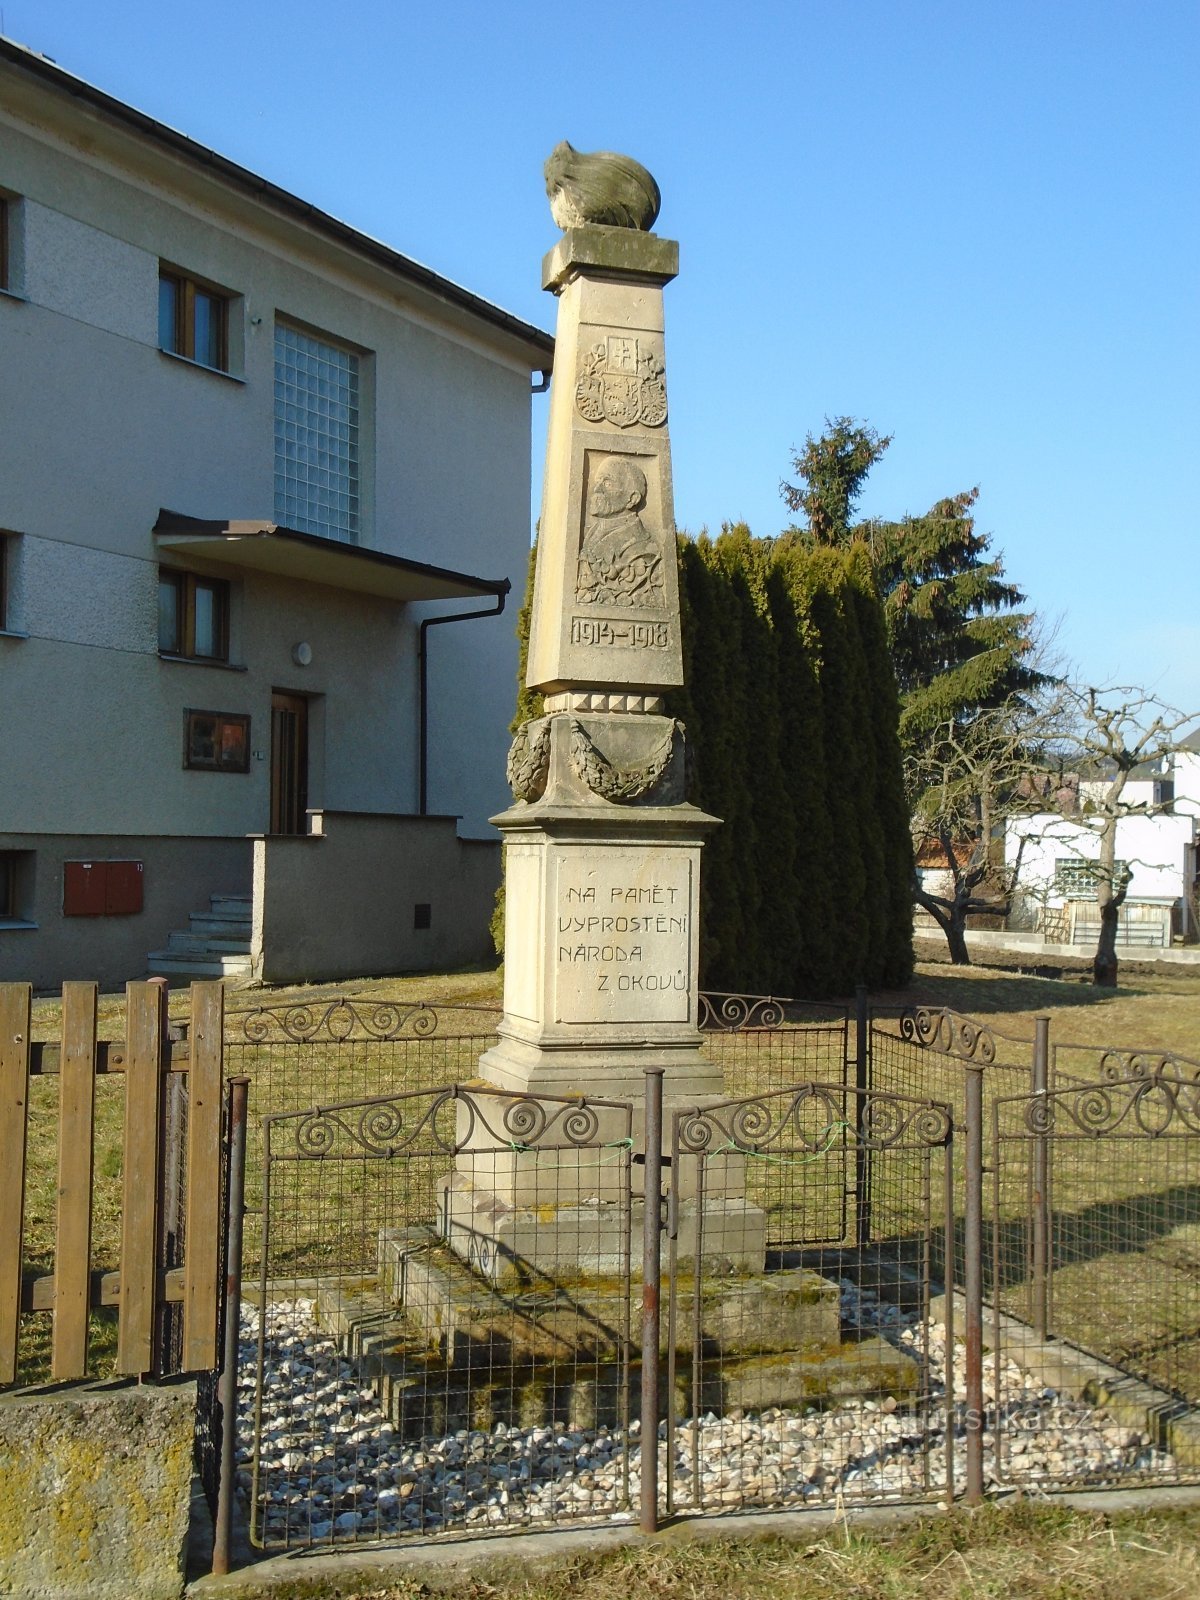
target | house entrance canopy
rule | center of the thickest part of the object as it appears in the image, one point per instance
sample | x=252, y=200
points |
x=268, y=547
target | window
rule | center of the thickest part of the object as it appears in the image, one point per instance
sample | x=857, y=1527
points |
x=316, y=435
x=193, y=616
x=1077, y=880
x=193, y=320
x=4, y=248
x=216, y=741
x=16, y=885
x=8, y=885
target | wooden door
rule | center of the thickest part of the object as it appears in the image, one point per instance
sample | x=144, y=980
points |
x=289, y=763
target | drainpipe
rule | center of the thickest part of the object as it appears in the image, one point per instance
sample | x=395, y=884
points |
x=423, y=674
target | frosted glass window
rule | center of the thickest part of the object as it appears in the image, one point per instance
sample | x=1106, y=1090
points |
x=316, y=435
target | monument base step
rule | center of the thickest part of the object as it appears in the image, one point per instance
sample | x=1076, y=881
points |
x=510, y=1243
x=446, y=1349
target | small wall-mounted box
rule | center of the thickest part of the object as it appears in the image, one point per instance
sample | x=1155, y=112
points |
x=102, y=888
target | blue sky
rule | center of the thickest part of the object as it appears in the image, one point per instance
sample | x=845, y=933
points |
x=974, y=225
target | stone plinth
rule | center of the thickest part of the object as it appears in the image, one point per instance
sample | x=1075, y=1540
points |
x=601, y=946
x=95, y=1485
x=530, y=1244
x=457, y=1351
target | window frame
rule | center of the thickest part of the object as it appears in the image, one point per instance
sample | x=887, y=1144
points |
x=5, y=251
x=185, y=584
x=186, y=285
x=238, y=721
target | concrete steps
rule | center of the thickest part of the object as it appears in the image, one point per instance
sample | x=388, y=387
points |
x=216, y=943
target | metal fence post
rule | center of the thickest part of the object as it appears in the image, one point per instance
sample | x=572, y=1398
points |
x=973, y=1282
x=1040, y=1083
x=227, y=1388
x=862, y=1084
x=651, y=1285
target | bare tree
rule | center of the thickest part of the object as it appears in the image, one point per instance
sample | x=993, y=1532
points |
x=1116, y=730
x=963, y=783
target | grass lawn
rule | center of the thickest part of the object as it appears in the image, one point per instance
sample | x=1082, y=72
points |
x=999, y=1553
x=1149, y=1010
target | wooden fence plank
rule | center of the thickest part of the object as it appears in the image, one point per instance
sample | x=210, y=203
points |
x=140, y=1179
x=15, y=1004
x=37, y=1294
x=202, y=1265
x=73, y=1242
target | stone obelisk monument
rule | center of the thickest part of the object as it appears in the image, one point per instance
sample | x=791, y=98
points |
x=601, y=848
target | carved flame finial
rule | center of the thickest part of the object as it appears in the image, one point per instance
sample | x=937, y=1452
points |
x=600, y=188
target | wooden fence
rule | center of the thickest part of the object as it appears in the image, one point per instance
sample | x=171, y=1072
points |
x=154, y=1071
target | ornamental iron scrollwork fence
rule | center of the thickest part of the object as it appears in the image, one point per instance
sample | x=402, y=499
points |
x=824, y=1379
x=1114, y=1397
x=443, y=1320
x=765, y=1042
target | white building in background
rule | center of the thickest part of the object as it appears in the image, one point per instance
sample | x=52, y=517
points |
x=1057, y=879
x=246, y=456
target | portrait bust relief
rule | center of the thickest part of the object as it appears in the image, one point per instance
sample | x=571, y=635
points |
x=620, y=558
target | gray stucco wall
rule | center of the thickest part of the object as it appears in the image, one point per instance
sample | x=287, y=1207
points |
x=178, y=877
x=340, y=903
x=101, y=429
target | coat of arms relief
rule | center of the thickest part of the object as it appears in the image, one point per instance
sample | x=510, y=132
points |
x=623, y=383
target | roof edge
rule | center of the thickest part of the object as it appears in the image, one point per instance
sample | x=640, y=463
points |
x=263, y=190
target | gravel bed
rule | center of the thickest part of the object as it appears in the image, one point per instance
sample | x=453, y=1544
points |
x=332, y=1466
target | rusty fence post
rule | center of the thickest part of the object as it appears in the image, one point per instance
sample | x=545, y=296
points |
x=227, y=1384
x=973, y=1283
x=651, y=1287
x=862, y=1085
x=1041, y=1182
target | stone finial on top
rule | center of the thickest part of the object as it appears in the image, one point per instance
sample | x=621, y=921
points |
x=600, y=188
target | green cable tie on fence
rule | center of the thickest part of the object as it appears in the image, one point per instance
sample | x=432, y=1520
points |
x=787, y=1161
x=519, y=1147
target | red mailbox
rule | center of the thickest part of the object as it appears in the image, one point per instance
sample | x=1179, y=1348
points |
x=102, y=888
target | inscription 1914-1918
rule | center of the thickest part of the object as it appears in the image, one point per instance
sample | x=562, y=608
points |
x=623, y=942
x=629, y=635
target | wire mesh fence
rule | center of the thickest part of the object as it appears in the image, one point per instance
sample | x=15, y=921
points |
x=762, y=1042
x=823, y=1379
x=927, y=1051
x=852, y=1311
x=442, y=1336
x=1111, y=1397
x=339, y=1050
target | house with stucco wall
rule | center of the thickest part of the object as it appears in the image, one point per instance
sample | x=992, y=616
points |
x=264, y=492
x=1159, y=844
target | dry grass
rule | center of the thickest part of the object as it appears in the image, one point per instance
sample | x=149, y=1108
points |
x=1011, y=1553
x=1147, y=1010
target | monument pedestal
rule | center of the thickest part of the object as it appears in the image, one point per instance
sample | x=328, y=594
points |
x=601, y=848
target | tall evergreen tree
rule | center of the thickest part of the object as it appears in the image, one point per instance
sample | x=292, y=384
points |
x=958, y=639
x=785, y=659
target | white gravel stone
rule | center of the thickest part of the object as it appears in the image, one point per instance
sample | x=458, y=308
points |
x=332, y=1465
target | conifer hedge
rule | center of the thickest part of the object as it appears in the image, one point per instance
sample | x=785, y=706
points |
x=791, y=711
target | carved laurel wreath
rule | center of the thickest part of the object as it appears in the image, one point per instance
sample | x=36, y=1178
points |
x=610, y=782
x=529, y=761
